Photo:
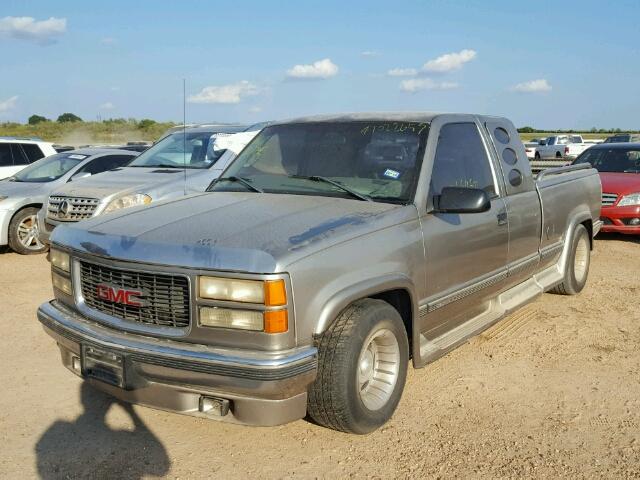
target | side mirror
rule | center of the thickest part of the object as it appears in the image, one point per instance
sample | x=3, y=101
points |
x=80, y=175
x=462, y=200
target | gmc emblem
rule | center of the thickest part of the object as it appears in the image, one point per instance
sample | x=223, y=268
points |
x=114, y=294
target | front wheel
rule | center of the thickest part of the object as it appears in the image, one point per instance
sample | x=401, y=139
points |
x=362, y=368
x=23, y=232
x=577, y=266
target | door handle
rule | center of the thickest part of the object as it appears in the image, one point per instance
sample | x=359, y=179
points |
x=502, y=218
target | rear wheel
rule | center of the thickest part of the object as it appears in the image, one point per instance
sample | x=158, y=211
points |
x=577, y=268
x=558, y=155
x=23, y=232
x=537, y=156
x=362, y=368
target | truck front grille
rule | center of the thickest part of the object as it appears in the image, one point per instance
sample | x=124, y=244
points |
x=71, y=209
x=156, y=299
x=609, y=199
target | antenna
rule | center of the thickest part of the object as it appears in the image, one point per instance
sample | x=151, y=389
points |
x=184, y=133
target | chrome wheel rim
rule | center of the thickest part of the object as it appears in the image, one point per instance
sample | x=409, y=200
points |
x=581, y=260
x=378, y=368
x=28, y=233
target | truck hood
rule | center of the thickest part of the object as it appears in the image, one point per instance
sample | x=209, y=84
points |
x=124, y=180
x=248, y=232
x=620, y=183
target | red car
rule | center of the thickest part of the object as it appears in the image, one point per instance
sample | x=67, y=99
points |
x=619, y=167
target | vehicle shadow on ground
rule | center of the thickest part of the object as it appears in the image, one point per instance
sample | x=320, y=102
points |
x=89, y=448
x=618, y=236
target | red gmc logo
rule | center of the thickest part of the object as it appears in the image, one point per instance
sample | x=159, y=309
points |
x=115, y=294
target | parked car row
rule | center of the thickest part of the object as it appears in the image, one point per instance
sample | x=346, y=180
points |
x=56, y=189
x=322, y=259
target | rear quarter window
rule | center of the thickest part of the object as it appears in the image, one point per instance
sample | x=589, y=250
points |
x=32, y=151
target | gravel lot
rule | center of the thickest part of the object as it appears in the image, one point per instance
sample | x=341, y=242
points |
x=552, y=390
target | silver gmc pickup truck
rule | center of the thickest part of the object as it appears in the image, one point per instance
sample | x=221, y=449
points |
x=331, y=253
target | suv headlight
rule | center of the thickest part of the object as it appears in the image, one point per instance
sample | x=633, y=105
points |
x=127, y=201
x=628, y=200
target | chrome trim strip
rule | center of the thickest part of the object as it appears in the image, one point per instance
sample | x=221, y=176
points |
x=252, y=364
x=523, y=265
x=446, y=299
x=550, y=251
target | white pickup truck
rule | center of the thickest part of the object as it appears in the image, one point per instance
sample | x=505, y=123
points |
x=561, y=146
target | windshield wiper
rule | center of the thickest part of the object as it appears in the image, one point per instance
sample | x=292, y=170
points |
x=632, y=171
x=160, y=165
x=242, y=181
x=350, y=191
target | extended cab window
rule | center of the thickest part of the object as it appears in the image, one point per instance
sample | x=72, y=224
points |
x=461, y=160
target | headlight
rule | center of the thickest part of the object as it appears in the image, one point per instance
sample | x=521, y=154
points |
x=61, y=283
x=271, y=293
x=127, y=201
x=59, y=259
x=628, y=200
x=272, y=321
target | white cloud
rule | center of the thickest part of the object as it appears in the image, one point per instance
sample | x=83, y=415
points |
x=28, y=28
x=321, y=69
x=532, y=86
x=232, y=93
x=369, y=53
x=9, y=104
x=255, y=109
x=418, y=84
x=108, y=41
x=107, y=106
x=449, y=61
x=402, y=72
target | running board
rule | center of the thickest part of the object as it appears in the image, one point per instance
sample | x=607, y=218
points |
x=502, y=305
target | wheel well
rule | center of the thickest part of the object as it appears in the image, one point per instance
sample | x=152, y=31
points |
x=401, y=301
x=34, y=205
x=588, y=224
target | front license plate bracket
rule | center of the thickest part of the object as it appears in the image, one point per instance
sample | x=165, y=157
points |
x=103, y=365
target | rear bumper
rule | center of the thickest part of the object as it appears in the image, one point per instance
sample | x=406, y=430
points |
x=261, y=388
x=618, y=219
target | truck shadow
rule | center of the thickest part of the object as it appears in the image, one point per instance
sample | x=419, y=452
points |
x=89, y=448
x=618, y=236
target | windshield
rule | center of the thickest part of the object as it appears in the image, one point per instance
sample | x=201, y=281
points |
x=612, y=159
x=367, y=160
x=49, y=168
x=174, y=152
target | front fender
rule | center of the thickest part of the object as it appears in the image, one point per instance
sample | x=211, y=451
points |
x=366, y=288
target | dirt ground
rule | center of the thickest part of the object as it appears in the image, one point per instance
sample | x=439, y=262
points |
x=552, y=390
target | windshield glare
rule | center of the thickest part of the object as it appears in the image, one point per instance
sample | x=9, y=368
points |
x=49, y=168
x=174, y=151
x=380, y=160
x=612, y=159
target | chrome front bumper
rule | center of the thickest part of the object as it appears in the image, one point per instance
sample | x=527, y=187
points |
x=262, y=388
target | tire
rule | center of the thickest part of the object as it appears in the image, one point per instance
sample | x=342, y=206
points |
x=558, y=155
x=23, y=233
x=537, y=156
x=346, y=394
x=577, y=268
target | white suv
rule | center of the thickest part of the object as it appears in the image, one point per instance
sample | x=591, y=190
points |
x=16, y=153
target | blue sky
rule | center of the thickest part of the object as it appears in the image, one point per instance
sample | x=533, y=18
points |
x=545, y=64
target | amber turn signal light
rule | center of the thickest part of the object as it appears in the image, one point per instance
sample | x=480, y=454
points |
x=275, y=293
x=276, y=321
